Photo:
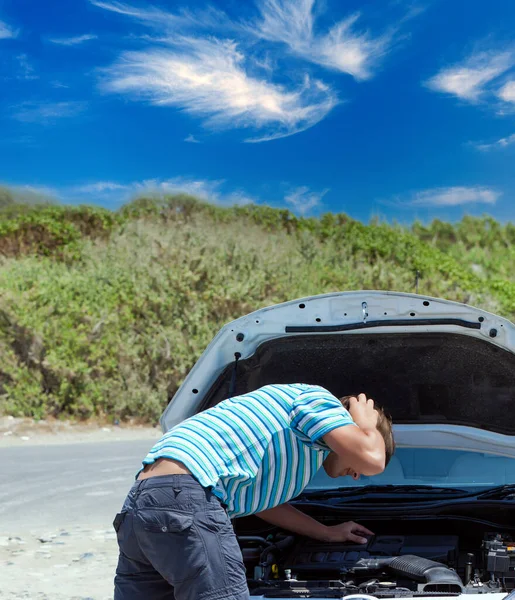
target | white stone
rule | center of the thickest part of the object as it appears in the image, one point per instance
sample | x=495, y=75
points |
x=16, y=540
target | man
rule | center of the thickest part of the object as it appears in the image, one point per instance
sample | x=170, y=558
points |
x=247, y=455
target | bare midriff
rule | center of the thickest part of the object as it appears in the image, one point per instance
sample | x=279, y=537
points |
x=164, y=466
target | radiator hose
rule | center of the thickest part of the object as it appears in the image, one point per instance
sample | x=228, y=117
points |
x=434, y=576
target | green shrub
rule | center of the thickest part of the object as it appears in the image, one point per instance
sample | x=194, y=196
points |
x=47, y=229
x=112, y=330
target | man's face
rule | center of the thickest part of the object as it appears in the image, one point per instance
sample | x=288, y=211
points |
x=335, y=467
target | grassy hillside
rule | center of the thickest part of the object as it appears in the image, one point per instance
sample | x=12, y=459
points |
x=102, y=314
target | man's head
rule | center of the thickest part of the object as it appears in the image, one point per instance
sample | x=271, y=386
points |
x=384, y=426
x=336, y=466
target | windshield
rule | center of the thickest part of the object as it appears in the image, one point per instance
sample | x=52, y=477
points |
x=432, y=466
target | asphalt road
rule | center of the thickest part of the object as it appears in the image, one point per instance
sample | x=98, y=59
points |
x=44, y=487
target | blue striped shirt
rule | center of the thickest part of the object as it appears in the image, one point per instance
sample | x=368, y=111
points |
x=257, y=450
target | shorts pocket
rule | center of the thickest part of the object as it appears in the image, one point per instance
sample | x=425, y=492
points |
x=165, y=521
x=118, y=520
x=171, y=543
x=215, y=521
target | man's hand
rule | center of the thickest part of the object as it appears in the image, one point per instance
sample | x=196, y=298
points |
x=348, y=532
x=362, y=448
x=290, y=518
x=363, y=412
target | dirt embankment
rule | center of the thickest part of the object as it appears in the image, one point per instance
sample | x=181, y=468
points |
x=22, y=431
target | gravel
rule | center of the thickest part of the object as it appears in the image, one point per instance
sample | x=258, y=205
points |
x=61, y=565
x=63, y=486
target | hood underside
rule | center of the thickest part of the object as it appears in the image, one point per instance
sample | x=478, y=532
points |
x=416, y=377
x=427, y=361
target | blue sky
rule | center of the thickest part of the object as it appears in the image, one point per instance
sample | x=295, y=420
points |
x=398, y=108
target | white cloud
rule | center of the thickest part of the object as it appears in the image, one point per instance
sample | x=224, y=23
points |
x=99, y=187
x=192, y=139
x=6, y=32
x=208, y=79
x=342, y=48
x=115, y=193
x=287, y=21
x=507, y=92
x=231, y=83
x=202, y=188
x=40, y=190
x=502, y=143
x=470, y=79
x=73, y=41
x=455, y=196
x=147, y=14
x=26, y=70
x=303, y=200
x=46, y=113
x=163, y=20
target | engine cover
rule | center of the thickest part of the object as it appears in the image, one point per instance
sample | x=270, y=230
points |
x=327, y=559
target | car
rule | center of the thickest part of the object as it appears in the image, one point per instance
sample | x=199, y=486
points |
x=443, y=511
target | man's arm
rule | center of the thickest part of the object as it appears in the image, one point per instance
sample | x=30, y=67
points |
x=288, y=517
x=360, y=447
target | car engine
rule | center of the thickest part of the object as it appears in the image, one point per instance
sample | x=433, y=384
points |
x=389, y=566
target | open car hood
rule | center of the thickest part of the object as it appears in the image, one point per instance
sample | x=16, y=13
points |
x=445, y=371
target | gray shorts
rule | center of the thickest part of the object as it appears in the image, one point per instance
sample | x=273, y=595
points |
x=176, y=543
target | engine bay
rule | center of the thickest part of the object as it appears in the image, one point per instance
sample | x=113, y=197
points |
x=280, y=565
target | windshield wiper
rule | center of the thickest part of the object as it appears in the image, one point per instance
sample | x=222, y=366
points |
x=383, y=490
x=499, y=492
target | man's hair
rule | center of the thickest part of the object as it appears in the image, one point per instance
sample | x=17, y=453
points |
x=384, y=426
